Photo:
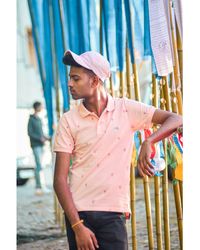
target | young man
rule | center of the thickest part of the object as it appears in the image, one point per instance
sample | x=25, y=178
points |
x=37, y=140
x=98, y=136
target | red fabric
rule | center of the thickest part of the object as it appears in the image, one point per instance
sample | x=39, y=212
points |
x=147, y=133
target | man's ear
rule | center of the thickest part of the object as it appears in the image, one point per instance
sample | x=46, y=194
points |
x=95, y=81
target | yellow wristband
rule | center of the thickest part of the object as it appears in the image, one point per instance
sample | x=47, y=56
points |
x=80, y=221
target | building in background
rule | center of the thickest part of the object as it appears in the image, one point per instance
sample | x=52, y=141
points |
x=29, y=86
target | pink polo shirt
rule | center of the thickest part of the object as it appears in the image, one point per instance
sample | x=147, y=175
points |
x=101, y=149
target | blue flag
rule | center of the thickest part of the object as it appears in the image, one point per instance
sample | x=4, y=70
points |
x=108, y=11
x=59, y=49
x=93, y=25
x=120, y=33
x=147, y=38
x=39, y=12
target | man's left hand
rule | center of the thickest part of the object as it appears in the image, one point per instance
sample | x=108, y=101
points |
x=145, y=167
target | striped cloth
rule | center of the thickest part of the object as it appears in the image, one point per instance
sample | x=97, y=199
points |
x=160, y=40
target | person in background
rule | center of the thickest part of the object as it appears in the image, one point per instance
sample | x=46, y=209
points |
x=37, y=140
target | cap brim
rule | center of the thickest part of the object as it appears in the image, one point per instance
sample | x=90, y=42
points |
x=69, y=60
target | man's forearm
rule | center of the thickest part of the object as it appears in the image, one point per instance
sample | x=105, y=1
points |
x=166, y=129
x=64, y=195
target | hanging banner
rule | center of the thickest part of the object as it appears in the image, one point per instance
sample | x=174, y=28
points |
x=93, y=25
x=59, y=49
x=120, y=33
x=160, y=41
x=108, y=11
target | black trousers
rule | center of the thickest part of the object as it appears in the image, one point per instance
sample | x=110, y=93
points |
x=108, y=227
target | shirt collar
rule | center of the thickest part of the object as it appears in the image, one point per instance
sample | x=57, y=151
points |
x=84, y=112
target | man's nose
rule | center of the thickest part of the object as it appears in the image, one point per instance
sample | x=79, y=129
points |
x=70, y=83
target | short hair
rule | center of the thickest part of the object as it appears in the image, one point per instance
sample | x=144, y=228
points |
x=36, y=105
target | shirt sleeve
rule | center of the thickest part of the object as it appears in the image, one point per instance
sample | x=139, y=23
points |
x=63, y=139
x=139, y=114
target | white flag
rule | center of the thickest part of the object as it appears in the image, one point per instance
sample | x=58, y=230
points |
x=160, y=39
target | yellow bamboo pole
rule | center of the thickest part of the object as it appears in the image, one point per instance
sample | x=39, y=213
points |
x=56, y=84
x=132, y=172
x=146, y=178
x=136, y=82
x=165, y=182
x=175, y=187
x=122, y=92
x=180, y=54
x=173, y=94
x=128, y=74
x=148, y=208
x=133, y=209
x=181, y=192
x=178, y=212
x=148, y=211
x=166, y=93
x=56, y=208
x=154, y=92
x=176, y=71
x=158, y=212
x=166, y=201
x=157, y=178
x=175, y=110
x=112, y=87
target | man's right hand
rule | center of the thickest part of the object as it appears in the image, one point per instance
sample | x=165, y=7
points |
x=85, y=238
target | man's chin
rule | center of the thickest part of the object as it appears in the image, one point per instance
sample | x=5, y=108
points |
x=75, y=97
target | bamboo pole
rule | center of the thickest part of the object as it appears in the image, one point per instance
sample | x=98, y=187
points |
x=175, y=187
x=128, y=74
x=176, y=71
x=133, y=208
x=55, y=208
x=178, y=211
x=180, y=54
x=121, y=89
x=63, y=226
x=173, y=94
x=132, y=172
x=146, y=178
x=157, y=178
x=112, y=92
x=136, y=82
x=166, y=202
x=175, y=110
x=181, y=192
x=165, y=183
x=148, y=212
x=158, y=212
x=148, y=208
x=56, y=84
